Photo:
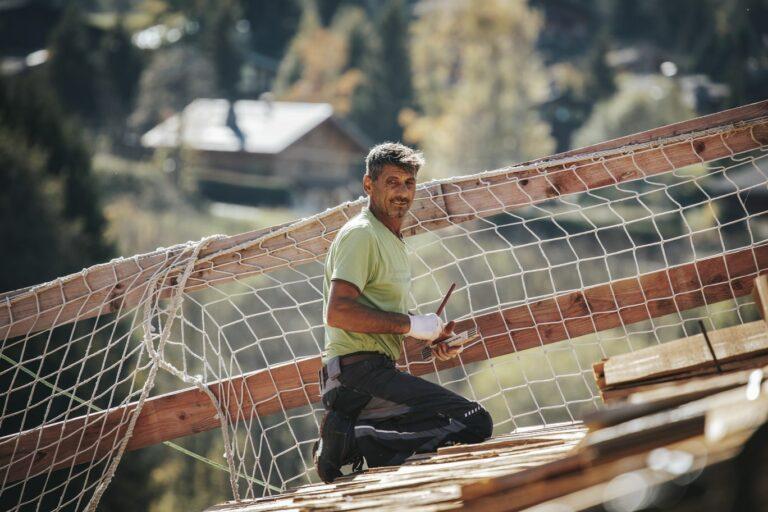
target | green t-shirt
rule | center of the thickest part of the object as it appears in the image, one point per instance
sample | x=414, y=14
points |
x=368, y=255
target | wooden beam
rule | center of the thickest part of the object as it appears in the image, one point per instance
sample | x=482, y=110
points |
x=107, y=288
x=294, y=384
x=559, y=478
x=695, y=386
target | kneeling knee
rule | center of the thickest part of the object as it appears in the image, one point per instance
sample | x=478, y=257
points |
x=484, y=424
x=480, y=423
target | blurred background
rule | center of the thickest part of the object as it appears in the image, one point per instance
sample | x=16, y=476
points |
x=126, y=125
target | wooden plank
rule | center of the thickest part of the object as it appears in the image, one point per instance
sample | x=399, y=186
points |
x=431, y=483
x=294, y=384
x=592, y=497
x=683, y=421
x=695, y=387
x=628, y=390
x=105, y=288
x=739, y=341
x=760, y=294
x=668, y=395
x=539, y=436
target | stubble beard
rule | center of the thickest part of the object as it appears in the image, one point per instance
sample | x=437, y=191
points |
x=390, y=210
x=399, y=210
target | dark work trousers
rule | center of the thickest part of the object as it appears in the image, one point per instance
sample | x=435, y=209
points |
x=397, y=414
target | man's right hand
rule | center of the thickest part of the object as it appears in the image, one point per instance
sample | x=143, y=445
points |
x=426, y=327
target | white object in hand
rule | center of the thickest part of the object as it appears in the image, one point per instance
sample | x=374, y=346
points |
x=425, y=327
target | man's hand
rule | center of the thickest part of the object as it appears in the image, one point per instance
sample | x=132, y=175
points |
x=426, y=327
x=441, y=350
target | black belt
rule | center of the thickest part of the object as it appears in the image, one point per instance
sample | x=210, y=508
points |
x=356, y=357
x=347, y=360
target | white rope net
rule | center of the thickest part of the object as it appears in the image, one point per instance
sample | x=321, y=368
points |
x=524, y=245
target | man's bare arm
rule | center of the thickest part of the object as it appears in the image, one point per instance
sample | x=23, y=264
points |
x=344, y=312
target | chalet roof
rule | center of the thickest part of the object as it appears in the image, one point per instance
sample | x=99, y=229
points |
x=257, y=126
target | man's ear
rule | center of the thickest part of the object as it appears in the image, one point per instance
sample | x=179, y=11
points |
x=367, y=184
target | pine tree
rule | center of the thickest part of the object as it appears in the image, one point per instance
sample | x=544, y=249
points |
x=121, y=64
x=73, y=67
x=51, y=225
x=218, y=44
x=272, y=25
x=31, y=110
x=386, y=67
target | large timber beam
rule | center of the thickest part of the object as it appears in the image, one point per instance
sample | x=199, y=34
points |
x=108, y=288
x=294, y=384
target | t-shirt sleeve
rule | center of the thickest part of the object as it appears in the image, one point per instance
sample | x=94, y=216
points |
x=353, y=259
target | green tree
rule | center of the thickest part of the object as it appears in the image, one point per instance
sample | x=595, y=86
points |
x=479, y=82
x=386, y=66
x=51, y=225
x=218, y=43
x=121, y=64
x=30, y=110
x=74, y=67
x=725, y=40
x=273, y=24
x=32, y=229
x=737, y=53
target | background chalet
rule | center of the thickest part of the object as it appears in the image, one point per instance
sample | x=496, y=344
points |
x=263, y=151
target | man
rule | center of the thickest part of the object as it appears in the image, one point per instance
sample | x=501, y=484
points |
x=373, y=410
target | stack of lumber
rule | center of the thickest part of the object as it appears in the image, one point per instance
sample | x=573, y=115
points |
x=720, y=351
x=735, y=348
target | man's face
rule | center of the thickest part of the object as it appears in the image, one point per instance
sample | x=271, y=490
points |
x=392, y=192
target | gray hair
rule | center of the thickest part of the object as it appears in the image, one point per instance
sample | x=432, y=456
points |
x=392, y=153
